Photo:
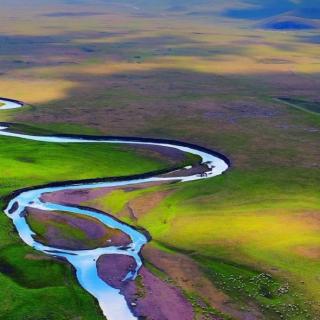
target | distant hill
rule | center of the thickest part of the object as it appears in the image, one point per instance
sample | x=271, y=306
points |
x=257, y=9
x=268, y=14
x=288, y=23
x=279, y=15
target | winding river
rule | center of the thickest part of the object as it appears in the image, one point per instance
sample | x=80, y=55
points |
x=112, y=303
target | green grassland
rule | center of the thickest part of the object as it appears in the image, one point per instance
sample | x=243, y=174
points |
x=27, y=163
x=243, y=218
x=33, y=287
x=243, y=225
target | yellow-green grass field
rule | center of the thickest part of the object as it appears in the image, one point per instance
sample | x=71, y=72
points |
x=258, y=220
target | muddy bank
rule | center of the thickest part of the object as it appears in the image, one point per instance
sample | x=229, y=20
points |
x=148, y=297
x=83, y=195
x=187, y=274
x=170, y=155
x=70, y=231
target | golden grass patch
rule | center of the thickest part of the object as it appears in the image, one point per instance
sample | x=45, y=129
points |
x=34, y=91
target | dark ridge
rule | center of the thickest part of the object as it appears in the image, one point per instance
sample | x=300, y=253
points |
x=288, y=25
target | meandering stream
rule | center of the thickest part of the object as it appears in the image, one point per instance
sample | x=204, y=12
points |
x=112, y=303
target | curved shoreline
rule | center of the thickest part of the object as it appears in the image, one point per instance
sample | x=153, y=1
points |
x=9, y=104
x=111, y=301
x=78, y=138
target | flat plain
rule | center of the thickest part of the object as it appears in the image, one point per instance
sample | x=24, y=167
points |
x=244, y=245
